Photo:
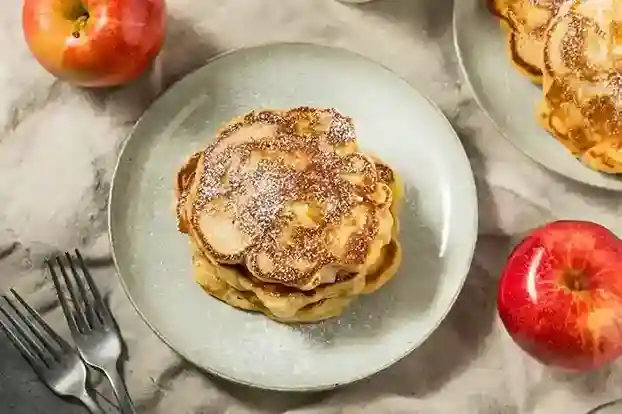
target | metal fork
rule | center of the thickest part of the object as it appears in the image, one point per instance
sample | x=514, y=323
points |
x=92, y=325
x=56, y=363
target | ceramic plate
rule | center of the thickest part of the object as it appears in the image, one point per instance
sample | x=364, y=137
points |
x=614, y=407
x=439, y=221
x=508, y=97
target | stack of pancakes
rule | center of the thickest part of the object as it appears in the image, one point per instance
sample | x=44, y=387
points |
x=287, y=217
x=574, y=49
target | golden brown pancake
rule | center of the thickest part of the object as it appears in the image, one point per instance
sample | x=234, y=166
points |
x=207, y=274
x=287, y=195
x=573, y=48
x=525, y=23
x=234, y=286
x=286, y=217
x=288, y=304
x=582, y=101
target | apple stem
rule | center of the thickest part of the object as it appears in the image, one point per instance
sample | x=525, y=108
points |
x=575, y=280
x=80, y=24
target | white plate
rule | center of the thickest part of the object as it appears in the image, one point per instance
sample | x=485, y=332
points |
x=508, y=97
x=614, y=407
x=439, y=221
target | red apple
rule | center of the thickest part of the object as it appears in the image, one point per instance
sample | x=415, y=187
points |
x=560, y=295
x=94, y=42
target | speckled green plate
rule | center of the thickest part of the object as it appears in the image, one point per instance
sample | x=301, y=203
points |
x=438, y=223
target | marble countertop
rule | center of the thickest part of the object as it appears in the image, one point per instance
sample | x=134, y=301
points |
x=58, y=146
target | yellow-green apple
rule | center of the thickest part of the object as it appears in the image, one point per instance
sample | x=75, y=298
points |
x=560, y=295
x=94, y=42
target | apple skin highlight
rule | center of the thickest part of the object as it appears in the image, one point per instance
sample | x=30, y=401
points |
x=94, y=43
x=560, y=295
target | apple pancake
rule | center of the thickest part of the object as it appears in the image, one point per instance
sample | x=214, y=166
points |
x=582, y=100
x=235, y=286
x=525, y=23
x=287, y=217
x=287, y=195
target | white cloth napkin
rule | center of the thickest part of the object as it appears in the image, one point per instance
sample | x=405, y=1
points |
x=58, y=146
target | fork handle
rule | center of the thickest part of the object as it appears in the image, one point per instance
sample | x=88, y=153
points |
x=126, y=406
x=91, y=404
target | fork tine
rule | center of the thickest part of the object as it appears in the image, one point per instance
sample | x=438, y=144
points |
x=77, y=303
x=91, y=314
x=28, y=355
x=63, y=300
x=25, y=338
x=100, y=305
x=49, y=352
x=63, y=344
